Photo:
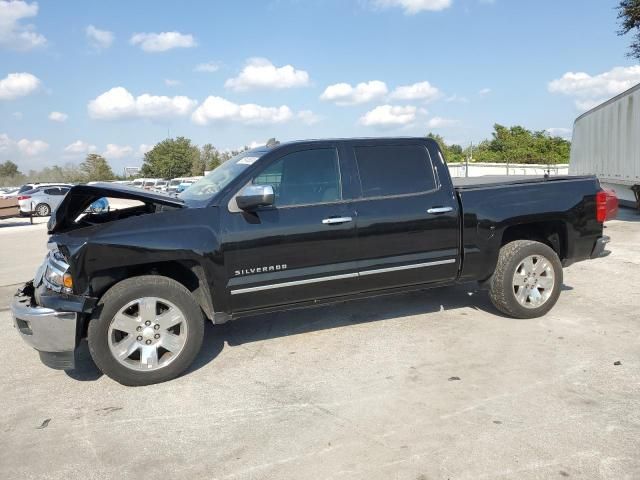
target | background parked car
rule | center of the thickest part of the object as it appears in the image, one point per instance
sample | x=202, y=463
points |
x=161, y=185
x=149, y=183
x=42, y=200
x=31, y=186
x=9, y=192
x=183, y=186
x=173, y=184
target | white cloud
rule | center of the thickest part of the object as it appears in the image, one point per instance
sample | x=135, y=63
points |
x=144, y=148
x=161, y=42
x=418, y=91
x=411, y=7
x=217, y=109
x=439, y=122
x=389, y=116
x=308, y=117
x=99, y=39
x=560, y=132
x=117, y=151
x=588, y=104
x=256, y=144
x=261, y=73
x=208, y=67
x=344, y=94
x=79, y=148
x=24, y=147
x=13, y=33
x=17, y=85
x=120, y=103
x=171, y=83
x=484, y=91
x=455, y=98
x=58, y=117
x=590, y=90
x=32, y=148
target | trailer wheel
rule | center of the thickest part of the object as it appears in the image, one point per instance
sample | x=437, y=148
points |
x=527, y=279
x=148, y=329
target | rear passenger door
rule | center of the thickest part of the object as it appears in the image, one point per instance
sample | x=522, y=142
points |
x=407, y=222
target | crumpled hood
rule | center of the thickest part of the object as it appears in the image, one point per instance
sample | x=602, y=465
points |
x=81, y=196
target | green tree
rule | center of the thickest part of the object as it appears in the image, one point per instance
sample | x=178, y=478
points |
x=210, y=156
x=95, y=167
x=198, y=165
x=629, y=16
x=9, y=169
x=452, y=153
x=173, y=157
x=518, y=145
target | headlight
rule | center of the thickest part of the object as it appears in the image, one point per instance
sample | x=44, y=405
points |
x=57, y=274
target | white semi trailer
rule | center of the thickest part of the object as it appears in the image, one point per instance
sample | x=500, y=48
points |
x=606, y=143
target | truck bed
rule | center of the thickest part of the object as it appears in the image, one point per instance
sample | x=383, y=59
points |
x=489, y=181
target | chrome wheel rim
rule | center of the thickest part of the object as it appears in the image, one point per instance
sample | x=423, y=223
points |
x=43, y=211
x=147, y=334
x=533, y=281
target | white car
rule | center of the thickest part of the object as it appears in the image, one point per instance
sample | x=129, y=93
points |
x=161, y=186
x=42, y=200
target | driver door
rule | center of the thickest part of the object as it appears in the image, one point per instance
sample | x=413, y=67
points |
x=303, y=247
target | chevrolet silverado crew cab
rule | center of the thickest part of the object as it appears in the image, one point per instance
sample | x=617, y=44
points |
x=293, y=225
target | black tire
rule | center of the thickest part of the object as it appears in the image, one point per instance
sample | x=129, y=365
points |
x=127, y=291
x=43, y=210
x=502, y=291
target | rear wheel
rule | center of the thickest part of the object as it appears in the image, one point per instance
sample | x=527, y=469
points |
x=149, y=330
x=527, y=279
x=43, y=210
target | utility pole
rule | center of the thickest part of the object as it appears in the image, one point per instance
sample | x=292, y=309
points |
x=466, y=167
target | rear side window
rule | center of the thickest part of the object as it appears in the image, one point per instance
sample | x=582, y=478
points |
x=304, y=178
x=387, y=170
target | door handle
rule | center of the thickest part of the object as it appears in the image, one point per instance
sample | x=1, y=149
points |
x=436, y=210
x=336, y=220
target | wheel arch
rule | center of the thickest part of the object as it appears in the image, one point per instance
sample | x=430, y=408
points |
x=552, y=233
x=190, y=274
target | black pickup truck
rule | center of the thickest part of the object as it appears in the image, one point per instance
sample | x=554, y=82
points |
x=298, y=224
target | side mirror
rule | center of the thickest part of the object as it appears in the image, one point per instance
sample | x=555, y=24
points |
x=254, y=196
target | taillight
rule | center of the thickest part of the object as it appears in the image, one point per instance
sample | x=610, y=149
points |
x=24, y=197
x=606, y=205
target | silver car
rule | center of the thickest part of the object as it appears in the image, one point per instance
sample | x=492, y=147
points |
x=42, y=200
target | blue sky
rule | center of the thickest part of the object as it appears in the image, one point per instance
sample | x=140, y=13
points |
x=117, y=77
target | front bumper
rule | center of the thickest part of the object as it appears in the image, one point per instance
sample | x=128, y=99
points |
x=52, y=333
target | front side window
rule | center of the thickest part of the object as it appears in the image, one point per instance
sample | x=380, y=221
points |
x=388, y=170
x=304, y=178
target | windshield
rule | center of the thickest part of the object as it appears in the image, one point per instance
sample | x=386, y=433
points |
x=175, y=181
x=204, y=189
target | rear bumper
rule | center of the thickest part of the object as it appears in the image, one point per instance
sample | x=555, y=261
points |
x=51, y=332
x=599, y=247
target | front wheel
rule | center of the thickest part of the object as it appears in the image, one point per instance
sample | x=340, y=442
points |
x=527, y=279
x=149, y=330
